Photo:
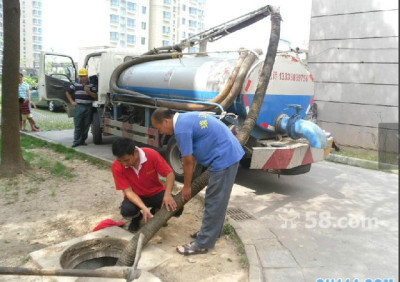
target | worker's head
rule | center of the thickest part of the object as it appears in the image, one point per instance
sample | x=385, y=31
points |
x=83, y=75
x=162, y=119
x=21, y=77
x=126, y=152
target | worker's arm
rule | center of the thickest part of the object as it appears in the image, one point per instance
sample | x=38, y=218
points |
x=28, y=92
x=189, y=163
x=135, y=199
x=168, y=200
x=70, y=98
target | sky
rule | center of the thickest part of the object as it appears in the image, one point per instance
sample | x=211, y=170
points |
x=63, y=33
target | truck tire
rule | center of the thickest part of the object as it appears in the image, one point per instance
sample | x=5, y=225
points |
x=296, y=170
x=174, y=159
x=96, y=129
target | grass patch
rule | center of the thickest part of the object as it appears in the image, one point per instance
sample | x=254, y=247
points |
x=48, y=121
x=229, y=231
x=358, y=155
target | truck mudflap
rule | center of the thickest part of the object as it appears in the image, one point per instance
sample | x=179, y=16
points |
x=287, y=154
x=142, y=134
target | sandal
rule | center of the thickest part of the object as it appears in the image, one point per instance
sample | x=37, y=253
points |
x=191, y=249
x=195, y=234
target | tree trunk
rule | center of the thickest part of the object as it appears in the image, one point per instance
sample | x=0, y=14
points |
x=12, y=162
x=150, y=229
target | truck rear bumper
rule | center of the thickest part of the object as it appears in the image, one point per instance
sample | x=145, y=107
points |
x=287, y=154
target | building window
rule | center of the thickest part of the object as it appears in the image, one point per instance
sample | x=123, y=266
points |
x=192, y=11
x=166, y=29
x=183, y=7
x=114, y=3
x=183, y=34
x=113, y=35
x=131, y=22
x=37, y=21
x=183, y=20
x=114, y=19
x=167, y=2
x=144, y=25
x=167, y=15
x=144, y=9
x=131, y=39
x=165, y=43
x=131, y=6
x=192, y=23
x=36, y=56
x=143, y=40
x=37, y=47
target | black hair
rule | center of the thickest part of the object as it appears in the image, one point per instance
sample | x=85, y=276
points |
x=21, y=74
x=123, y=146
x=162, y=113
x=21, y=100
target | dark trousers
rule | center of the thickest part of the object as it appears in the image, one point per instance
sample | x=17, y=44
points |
x=82, y=121
x=129, y=209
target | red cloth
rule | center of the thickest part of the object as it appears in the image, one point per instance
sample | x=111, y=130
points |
x=148, y=183
x=108, y=223
x=25, y=108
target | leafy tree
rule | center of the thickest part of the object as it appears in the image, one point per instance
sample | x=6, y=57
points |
x=12, y=162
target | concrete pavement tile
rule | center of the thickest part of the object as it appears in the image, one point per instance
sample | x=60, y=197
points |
x=255, y=274
x=251, y=230
x=283, y=275
x=271, y=253
x=252, y=255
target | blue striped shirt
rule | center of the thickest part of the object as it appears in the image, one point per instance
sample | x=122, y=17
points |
x=23, y=89
x=81, y=97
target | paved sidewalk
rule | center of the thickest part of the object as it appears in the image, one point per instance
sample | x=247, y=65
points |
x=335, y=222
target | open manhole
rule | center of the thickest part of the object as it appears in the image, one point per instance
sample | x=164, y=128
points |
x=239, y=214
x=93, y=254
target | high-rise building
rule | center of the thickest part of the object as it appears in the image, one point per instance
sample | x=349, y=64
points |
x=31, y=36
x=174, y=20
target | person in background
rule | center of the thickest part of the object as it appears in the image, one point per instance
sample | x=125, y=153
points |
x=26, y=115
x=205, y=139
x=82, y=94
x=136, y=172
x=25, y=94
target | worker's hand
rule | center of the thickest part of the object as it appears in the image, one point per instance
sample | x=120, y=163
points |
x=169, y=202
x=146, y=214
x=186, y=193
x=73, y=103
x=87, y=89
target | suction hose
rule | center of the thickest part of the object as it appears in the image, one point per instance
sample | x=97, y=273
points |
x=298, y=128
x=151, y=228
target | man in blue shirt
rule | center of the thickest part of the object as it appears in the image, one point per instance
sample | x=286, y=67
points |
x=82, y=95
x=207, y=140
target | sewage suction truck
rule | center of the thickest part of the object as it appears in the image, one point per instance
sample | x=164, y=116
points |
x=130, y=86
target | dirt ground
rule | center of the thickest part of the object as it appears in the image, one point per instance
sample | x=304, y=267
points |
x=39, y=209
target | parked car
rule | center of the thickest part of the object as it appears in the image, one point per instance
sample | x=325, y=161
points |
x=51, y=105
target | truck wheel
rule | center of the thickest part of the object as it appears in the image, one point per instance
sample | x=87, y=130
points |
x=175, y=160
x=296, y=170
x=96, y=129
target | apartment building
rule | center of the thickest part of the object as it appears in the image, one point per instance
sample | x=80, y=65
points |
x=31, y=33
x=175, y=20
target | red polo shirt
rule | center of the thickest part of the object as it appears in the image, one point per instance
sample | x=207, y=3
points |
x=147, y=183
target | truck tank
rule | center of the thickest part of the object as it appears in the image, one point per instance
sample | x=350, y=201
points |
x=203, y=78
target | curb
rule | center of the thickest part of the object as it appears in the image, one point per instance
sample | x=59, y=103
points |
x=361, y=163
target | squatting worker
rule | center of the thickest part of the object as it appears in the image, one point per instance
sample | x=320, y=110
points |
x=136, y=172
x=207, y=140
x=82, y=94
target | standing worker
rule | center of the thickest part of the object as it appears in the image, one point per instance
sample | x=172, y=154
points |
x=82, y=94
x=207, y=140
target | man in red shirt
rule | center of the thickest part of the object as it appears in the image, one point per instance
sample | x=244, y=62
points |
x=136, y=172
